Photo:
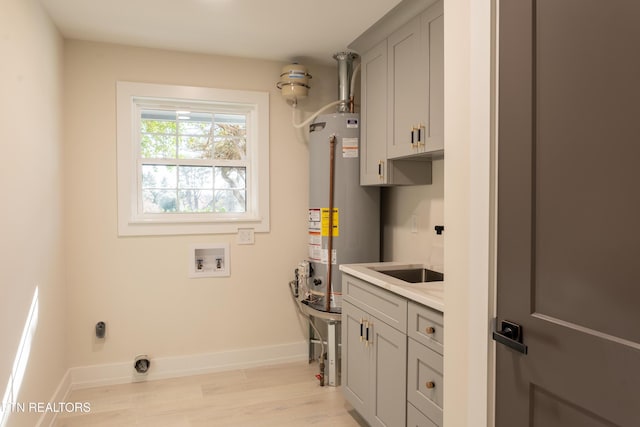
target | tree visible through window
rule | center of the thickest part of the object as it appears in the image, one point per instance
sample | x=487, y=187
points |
x=192, y=161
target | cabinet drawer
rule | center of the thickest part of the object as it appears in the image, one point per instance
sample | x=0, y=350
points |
x=426, y=326
x=425, y=381
x=385, y=305
x=416, y=418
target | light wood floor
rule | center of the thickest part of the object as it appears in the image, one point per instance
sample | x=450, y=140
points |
x=281, y=395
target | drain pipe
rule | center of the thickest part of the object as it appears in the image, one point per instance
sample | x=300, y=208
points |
x=332, y=162
x=315, y=329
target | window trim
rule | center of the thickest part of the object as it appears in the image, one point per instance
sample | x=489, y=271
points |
x=130, y=221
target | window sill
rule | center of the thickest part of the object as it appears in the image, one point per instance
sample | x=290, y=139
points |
x=164, y=228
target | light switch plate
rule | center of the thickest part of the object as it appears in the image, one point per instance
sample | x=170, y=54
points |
x=245, y=236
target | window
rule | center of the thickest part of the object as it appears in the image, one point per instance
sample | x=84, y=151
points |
x=191, y=160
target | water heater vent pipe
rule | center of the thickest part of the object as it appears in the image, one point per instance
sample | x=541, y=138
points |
x=345, y=73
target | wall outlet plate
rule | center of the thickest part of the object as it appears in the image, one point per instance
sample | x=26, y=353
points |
x=209, y=260
x=245, y=236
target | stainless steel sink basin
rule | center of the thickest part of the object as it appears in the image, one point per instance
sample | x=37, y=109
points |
x=414, y=275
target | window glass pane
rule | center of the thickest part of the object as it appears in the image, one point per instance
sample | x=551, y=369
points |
x=230, y=201
x=196, y=177
x=230, y=177
x=157, y=131
x=158, y=121
x=195, y=147
x=230, y=124
x=196, y=200
x=155, y=146
x=230, y=136
x=230, y=189
x=159, y=176
x=177, y=134
x=194, y=123
x=158, y=201
x=230, y=148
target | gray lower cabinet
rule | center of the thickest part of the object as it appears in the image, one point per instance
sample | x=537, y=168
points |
x=425, y=329
x=424, y=389
x=416, y=418
x=391, y=357
x=374, y=354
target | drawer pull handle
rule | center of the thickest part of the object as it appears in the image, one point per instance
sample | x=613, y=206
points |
x=430, y=384
x=430, y=330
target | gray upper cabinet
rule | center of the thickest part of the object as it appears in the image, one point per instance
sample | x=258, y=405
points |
x=416, y=86
x=402, y=88
x=407, y=91
x=432, y=33
x=373, y=154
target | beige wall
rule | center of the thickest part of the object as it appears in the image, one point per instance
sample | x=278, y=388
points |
x=31, y=242
x=426, y=202
x=139, y=285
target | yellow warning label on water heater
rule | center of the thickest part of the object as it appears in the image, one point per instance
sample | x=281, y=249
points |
x=324, y=215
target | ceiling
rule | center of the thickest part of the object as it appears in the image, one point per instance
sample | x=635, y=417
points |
x=281, y=30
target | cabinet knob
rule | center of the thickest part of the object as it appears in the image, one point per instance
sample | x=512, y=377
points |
x=430, y=384
x=430, y=330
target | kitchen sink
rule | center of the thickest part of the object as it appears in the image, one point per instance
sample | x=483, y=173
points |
x=414, y=275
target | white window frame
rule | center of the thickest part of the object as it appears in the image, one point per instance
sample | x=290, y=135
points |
x=131, y=221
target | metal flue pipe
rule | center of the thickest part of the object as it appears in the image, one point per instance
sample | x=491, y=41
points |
x=345, y=72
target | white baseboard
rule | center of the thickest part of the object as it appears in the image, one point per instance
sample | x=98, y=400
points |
x=177, y=366
x=60, y=395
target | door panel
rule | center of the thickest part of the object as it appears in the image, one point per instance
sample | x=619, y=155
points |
x=587, y=202
x=568, y=209
x=408, y=94
x=390, y=365
x=356, y=378
x=374, y=115
x=550, y=410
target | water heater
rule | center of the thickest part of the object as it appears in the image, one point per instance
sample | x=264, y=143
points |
x=351, y=233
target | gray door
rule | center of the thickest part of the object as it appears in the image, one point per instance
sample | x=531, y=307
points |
x=569, y=213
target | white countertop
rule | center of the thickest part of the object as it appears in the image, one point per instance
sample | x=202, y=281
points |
x=430, y=294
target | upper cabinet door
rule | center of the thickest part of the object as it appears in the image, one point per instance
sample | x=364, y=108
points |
x=416, y=85
x=373, y=147
x=407, y=91
x=432, y=33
